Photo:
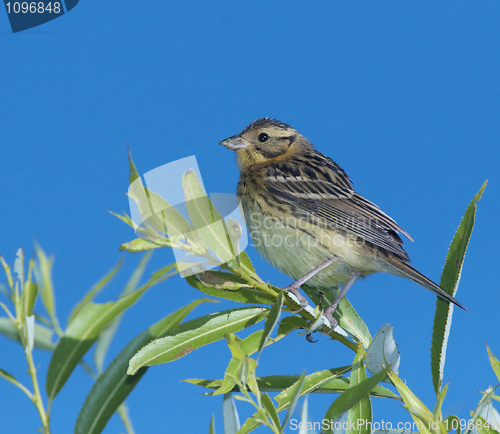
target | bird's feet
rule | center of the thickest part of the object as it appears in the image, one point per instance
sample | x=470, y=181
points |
x=294, y=289
x=328, y=314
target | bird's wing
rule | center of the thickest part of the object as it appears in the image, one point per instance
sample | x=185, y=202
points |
x=316, y=185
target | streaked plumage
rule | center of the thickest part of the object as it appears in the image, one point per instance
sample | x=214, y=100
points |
x=290, y=191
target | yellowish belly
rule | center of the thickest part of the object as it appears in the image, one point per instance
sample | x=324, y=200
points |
x=295, y=247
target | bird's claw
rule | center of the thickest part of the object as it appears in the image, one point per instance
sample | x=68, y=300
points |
x=302, y=300
x=333, y=322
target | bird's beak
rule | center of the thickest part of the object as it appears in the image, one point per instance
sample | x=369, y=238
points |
x=234, y=143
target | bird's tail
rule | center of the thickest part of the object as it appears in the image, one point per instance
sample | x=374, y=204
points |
x=406, y=270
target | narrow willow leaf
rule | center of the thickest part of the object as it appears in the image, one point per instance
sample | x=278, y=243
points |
x=30, y=291
x=8, y=274
x=383, y=351
x=246, y=264
x=96, y=289
x=79, y=337
x=341, y=384
x=209, y=224
x=353, y=395
x=234, y=344
x=11, y=379
x=450, y=278
x=168, y=219
x=229, y=381
x=230, y=415
x=271, y=321
x=411, y=401
x=195, y=334
x=439, y=403
x=43, y=335
x=247, y=347
x=114, y=385
x=133, y=174
x=124, y=218
x=312, y=382
x=106, y=336
x=45, y=286
x=240, y=294
x=362, y=410
x=294, y=394
x=345, y=314
x=211, y=429
x=140, y=245
x=495, y=364
x=277, y=383
x=267, y=403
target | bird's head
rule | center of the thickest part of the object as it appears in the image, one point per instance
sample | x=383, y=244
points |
x=264, y=141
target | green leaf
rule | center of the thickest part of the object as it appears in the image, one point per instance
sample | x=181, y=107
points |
x=439, y=403
x=6, y=269
x=30, y=291
x=79, y=337
x=133, y=174
x=165, y=218
x=43, y=335
x=345, y=314
x=495, y=364
x=362, y=410
x=11, y=379
x=124, y=218
x=96, y=289
x=293, y=396
x=234, y=344
x=271, y=409
x=226, y=286
x=209, y=224
x=211, y=429
x=246, y=264
x=450, y=278
x=106, y=336
x=312, y=383
x=141, y=244
x=353, y=395
x=195, y=334
x=412, y=404
x=271, y=321
x=45, y=285
x=229, y=381
x=114, y=385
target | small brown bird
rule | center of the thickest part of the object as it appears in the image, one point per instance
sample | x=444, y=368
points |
x=305, y=218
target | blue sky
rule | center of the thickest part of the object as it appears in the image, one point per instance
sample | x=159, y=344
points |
x=405, y=96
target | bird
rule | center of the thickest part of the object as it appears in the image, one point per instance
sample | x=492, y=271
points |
x=305, y=218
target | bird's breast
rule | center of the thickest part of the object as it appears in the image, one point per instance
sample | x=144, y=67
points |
x=295, y=244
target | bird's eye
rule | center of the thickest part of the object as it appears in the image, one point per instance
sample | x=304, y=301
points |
x=263, y=137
